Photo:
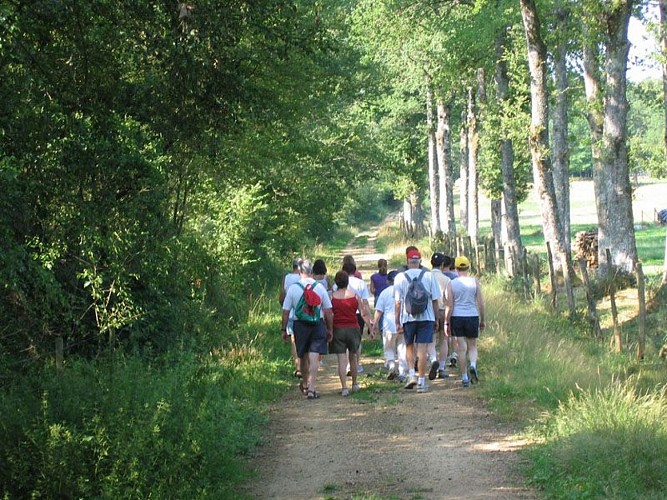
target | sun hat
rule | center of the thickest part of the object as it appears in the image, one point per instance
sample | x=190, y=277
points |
x=414, y=255
x=462, y=263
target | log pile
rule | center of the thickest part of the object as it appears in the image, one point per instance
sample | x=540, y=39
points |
x=586, y=247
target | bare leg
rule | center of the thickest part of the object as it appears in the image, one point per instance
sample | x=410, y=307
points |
x=462, y=352
x=353, y=367
x=295, y=357
x=410, y=355
x=444, y=349
x=472, y=351
x=342, y=370
x=422, y=350
x=313, y=365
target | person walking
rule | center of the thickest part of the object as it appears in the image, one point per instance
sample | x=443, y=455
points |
x=320, y=275
x=393, y=343
x=418, y=327
x=445, y=303
x=346, y=331
x=467, y=318
x=288, y=280
x=310, y=338
x=358, y=286
x=379, y=280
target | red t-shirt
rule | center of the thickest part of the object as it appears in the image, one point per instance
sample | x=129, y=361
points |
x=345, y=312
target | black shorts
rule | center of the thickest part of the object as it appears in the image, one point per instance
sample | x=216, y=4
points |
x=310, y=337
x=465, y=326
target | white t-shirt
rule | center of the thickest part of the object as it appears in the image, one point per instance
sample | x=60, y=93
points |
x=290, y=279
x=443, y=280
x=386, y=306
x=294, y=293
x=401, y=289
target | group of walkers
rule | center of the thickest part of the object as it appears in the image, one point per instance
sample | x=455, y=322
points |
x=429, y=319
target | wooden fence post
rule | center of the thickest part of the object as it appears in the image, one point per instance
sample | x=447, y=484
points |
x=567, y=280
x=552, y=278
x=641, y=292
x=536, y=275
x=614, y=310
x=524, y=270
x=593, y=318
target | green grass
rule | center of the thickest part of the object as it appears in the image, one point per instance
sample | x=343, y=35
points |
x=596, y=420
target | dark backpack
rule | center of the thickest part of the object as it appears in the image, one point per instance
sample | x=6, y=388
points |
x=416, y=298
x=308, y=307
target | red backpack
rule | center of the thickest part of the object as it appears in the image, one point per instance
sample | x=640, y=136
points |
x=308, y=307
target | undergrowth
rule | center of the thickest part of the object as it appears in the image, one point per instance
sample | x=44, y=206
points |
x=595, y=418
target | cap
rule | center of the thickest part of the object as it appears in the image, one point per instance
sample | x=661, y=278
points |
x=462, y=262
x=414, y=255
x=391, y=276
x=437, y=259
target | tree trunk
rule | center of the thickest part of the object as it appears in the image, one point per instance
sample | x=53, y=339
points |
x=663, y=44
x=408, y=224
x=463, y=172
x=539, y=132
x=615, y=220
x=510, y=220
x=443, y=138
x=417, y=215
x=432, y=166
x=473, y=180
x=561, y=153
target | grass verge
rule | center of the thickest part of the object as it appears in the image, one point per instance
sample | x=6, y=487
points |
x=596, y=419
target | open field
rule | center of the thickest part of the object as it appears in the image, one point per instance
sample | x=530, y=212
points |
x=649, y=197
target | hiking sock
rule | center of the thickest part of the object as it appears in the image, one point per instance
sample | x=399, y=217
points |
x=421, y=380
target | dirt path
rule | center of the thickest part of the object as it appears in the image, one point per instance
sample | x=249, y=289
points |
x=385, y=441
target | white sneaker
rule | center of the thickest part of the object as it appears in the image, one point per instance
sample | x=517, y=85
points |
x=360, y=369
x=422, y=389
x=411, y=383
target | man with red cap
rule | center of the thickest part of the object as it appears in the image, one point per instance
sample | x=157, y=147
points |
x=418, y=327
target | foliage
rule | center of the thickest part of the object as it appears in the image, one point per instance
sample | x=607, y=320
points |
x=129, y=429
x=157, y=163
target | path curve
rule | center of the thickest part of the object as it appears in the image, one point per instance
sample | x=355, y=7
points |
x=385, y=442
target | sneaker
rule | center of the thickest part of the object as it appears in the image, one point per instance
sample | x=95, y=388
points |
x=422, y=389
x=434, y=370
x=442, y=373
x=452, y=360
x=392, y=374
x=473, y=375
x=349, y=373
x=345, y=392
x=360, y=369
x=465, y=382
x=401, y=378
x=411, y=383
x=355, y=387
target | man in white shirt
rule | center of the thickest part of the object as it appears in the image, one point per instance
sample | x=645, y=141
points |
x=419, y=328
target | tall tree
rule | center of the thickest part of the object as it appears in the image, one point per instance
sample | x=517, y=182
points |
x=433, y=169
x=561, y=163
x=512, y=244
x=539, y=130
x=445, y=168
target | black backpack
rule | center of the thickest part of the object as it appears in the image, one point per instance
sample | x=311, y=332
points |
x=416, y=298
